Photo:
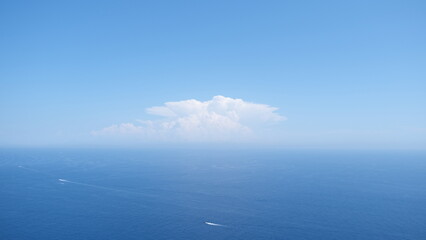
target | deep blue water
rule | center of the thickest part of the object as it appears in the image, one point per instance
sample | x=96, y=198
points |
x=159, y=194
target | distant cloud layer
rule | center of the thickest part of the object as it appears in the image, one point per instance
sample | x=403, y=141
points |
x=219, y=119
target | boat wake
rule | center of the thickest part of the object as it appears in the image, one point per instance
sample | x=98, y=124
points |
x=215, y=224
x=103, y=187
x=83, y=184
x=65, y=181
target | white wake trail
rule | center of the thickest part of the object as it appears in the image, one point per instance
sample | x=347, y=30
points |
x=215, y=224
x=63, y=181
x=104, y=188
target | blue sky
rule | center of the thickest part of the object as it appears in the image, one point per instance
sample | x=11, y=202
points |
x=345, y=74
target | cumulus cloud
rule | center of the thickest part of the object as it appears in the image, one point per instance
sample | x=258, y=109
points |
x=219, y=119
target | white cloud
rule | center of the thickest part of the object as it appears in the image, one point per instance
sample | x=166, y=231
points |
x=219, y=119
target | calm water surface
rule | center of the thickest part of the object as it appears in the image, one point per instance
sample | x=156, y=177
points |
x=119, y=194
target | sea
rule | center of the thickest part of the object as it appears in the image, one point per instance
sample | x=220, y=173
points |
x=102, y=194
